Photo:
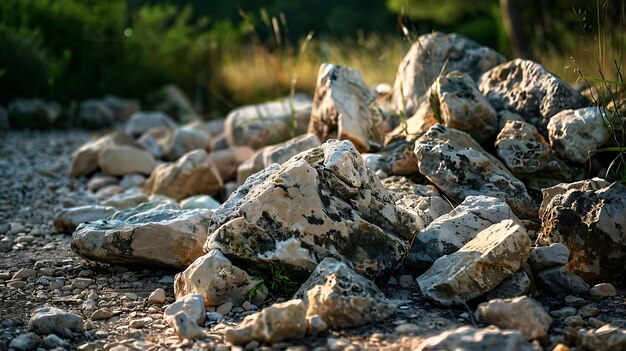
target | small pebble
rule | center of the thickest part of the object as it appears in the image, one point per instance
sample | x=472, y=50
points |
x=157, y=297
x=602, y=290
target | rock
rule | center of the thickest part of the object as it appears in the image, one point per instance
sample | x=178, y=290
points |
x=529, y=156
x=132, y=181
x=516, y=285
x=173, y=101
x=591, y=224
x=85, y=159
x=128, y=199
x=436, y=54
x=98, y=182
x=606, y=338
x=167, y=238
x=458, y=166
x=422, y=200
x=560, y=189
x=418, y=123
x=279, y=322
x=95, y=114
x=199, y=201
x=528, y=89
x=268, y=123
x=185, y=327
x=316, y=325
x=122, y=160
x=548, y=256
x=254, y=164
x=157, y=297
x=574, y=301
x=342, y=108
x=397, y=158
x=192, y=174
x=228, y=160
x=449, y=232
x=191, y=305
x=24, y=274
x=599, y=291
x=560, y=281
x=574, y=134
x=51, y=320
x=102, y=313
x=343, y=298
x=520, y=313
x=68, y=219
x=282, y=152
x=155, y=140
x=122, y=108
x=33, y=113
x=141, y=122
x=505, y=116
x=406, y=280
x=82, y=283
x=493, y=255
x=459, y=105
x=25, y=342
x=217, y=279
x=184, y=139
x=320, y=203
x=52, y=341
x=224, y=308
x=467, y=338
x=157, y=203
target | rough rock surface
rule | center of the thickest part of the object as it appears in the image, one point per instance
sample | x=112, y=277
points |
x=516, y=285
x=553, y=255
x=575, y=133
x=342, y=107
x=467, y=338
x=167, y=238
x=591, y=223
x=527, y=88
x=122, y=160
x=320, y=203
x=493, y=255
x=606, y=338
x=192, y=305
x=559, y=281
x=449, y=232
x=216, y=278
x=192, y=174
x=520, y=313
x=51, y=320
x=343, y=298
x=460, y=105
x=396, y=158
x=458, y=166
x=428, y=57
x=68, y=219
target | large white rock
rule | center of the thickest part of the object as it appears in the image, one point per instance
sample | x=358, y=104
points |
x=51, y=320
x=166, y=238
x=457, y=165
x=575, y=133
x=467, y=338
x=122, y=160
x=141, y=122
x=519, y=313
x=479, y=266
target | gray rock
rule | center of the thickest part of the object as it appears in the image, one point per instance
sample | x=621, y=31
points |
x=227, y=161
x=542, y=257
x=559, y=281
x=602, y=290
x=323, y=202
x=396, y=158
x=85, y=159
x=520, y=313
x=33, y=113
x=191, y=305
x=51, y=320
x=68, y=219
x=282, y=152
x=467, y=338
x=173, y=101
x=199, y=201
x=493, y=255
x=122, y=108
x=342, y=298
x=52, y=341
x=434, y=54
x=454, y=162
x=25, y=342
x=516, y=285
x=141, y=122
x=449, y=232
x=574, y=134
x=527, y=88
x=122, y=160
x=167, y=238
x=606, y=338
x=185, y=327
x=95, y=114
x=592, y=226
x=157, y=203
x=182, y=140
x=129, y=198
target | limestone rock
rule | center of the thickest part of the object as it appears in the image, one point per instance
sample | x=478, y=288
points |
x=542, y=257
x=606, y=338
x=141, y=122
x=520, y=313
x=228, y=160
x=185, y=327
x=199, y=201
x=505, y=116
x=397, y=158
x=467, y=338
x=591, y=223
x=460, y=105
x=279, y=322
x=479, y=266
x=25, y=342
x=516, y=285
x=268, y=123
x=184, y=139
x=252, y=165
x=127, y=199
x=191, y=305
x=343, y=298
x=560, y=189
x=85, y=159
x=173, y=101
x=602, y=290
x=527, y=88
x=575, y=133
x=68, y=219
x=342, y=107
x=437, y=53
x=457, y=165
x=282, y=152
x=51, y=320
x=167, y=238
x=320, y=203
x=559, y=281
x=418, y=123
x=95, y=114
x=216, y=278
x=192, y=174
x=157, y=296
x=157, y=203
x=122, y=160
x=451, y=231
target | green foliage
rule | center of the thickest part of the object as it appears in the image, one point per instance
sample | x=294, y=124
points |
x=278, y=283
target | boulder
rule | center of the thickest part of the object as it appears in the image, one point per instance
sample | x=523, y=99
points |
x=268, y=123
x=451, y=231
x=457, y=165
x=553, y=255
x=397, y=158
x=122, y=160
x=468, y=338
x=436, y=54
x=574, y=134
x=495, y=254
x=192, y=174
x=217, y=279
x=167, y=238
x=68, y=219
x=323, y=202
x=228, y=160
x=457, y=102
x=528, y=89
x=33, y=113
x=591, y=223
x=141, y=122
x=52, y=320
x=85, y=159
x=519, y=313
x=516, y=285
x=95, y=114
x=558, y=281
x=343, y=298
x=342, y=108
x=184, y=139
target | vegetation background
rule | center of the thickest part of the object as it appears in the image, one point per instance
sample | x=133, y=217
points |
x=227, y=53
